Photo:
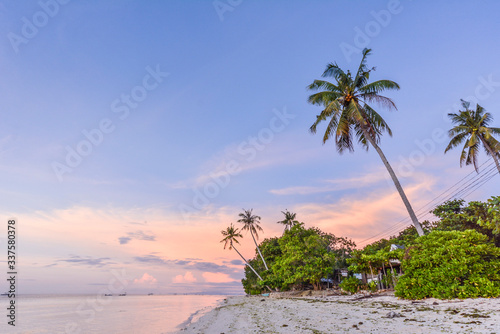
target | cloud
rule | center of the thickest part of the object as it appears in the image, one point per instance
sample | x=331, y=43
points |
x=150, y=259
x=187, y=278
x=99, y=262
x=137, y=223
x=379, y=212
x=124, y=240
x=236, y=262
x=194, y=265
x=217, y=277
x=249, y=154
x=336, y=185
x=139, y=235
x=146, y=279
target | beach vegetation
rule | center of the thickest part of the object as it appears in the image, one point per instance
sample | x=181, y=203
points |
x=271, y=250
x=305, y=258
x=483, y=217
x=300, y=258
x=350, y=284
x=450, y=264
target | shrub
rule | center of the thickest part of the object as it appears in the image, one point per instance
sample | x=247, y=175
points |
x=350, y=284
x=372, y=286
x=450, y=264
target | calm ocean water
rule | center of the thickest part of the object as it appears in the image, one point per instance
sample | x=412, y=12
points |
x=132, y=314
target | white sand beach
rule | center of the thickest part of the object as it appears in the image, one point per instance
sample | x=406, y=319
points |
x=382, y=313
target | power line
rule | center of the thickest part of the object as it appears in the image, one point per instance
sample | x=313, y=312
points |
x=465, y=188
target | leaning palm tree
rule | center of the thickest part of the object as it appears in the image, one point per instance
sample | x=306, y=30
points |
x=472, y=127
x=251, y=223
x=289, y=220
x=347, y=105
x=230, y=237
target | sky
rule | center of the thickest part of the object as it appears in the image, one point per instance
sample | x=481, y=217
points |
x=133, y=132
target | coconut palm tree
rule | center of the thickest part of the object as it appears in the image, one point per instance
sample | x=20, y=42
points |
x=230, y=237
x=251, y=223
x=348, y=105
x=289, y=220
x=472, y=127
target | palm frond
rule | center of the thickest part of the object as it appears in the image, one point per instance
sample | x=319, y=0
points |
x=322, y=84
x=345, y=100
x=465, y=104
x=379, y=86
x=456, y=140
x=333, y=70
x=382, y=101
x=376, y=121
x=472, y=156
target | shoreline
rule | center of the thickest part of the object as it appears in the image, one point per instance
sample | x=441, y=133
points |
x=198, y=314
x=363, y=313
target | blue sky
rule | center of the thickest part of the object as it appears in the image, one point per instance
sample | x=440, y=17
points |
x=198, y=109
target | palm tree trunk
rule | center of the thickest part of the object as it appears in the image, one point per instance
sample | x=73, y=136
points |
x=491, y=152
x=248, y=264
x=258, y=250
x=392, y=274
x=413, y=217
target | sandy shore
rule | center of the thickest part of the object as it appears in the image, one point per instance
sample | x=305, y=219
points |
x=336, y=314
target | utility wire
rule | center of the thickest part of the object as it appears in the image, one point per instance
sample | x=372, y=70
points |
x=468, y=186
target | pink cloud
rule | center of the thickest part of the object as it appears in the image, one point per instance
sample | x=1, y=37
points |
x=360, y=217
x=217, y=277
x=186, y=278
x=146, y=279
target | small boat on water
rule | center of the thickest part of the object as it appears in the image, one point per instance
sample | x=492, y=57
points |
x=122, y=294
x=107, y=295
x=150, y=294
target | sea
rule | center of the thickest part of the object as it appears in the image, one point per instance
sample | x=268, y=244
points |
x=130, y=314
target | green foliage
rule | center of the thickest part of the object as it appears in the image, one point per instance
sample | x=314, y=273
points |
x=372, y=286
x=251, y=283
x=389, y=279
x=483, y=217
x=305, y=257
x=271, y=250
x=350, y=284
x=342, y=248
x=492, y=221
x=298, y=258
x=450, y=264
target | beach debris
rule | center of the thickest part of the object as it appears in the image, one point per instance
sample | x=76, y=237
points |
x=393, y=314
x=363, y=297
x=262, y=300
x=435, y=303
